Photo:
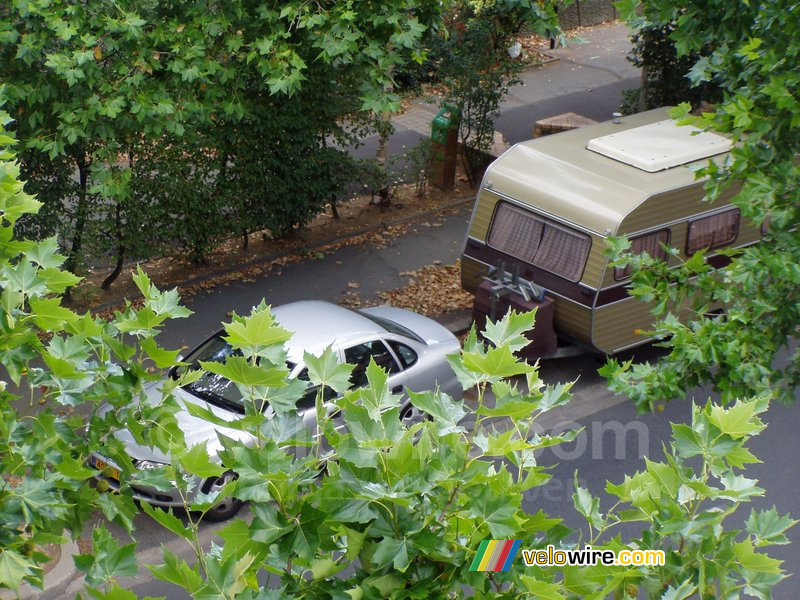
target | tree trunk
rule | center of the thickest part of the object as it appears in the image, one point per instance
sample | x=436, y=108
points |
x=120, y=250
x=71, y=264
x=381, y=155
x=643, y=90
x=120, y=237
x=334, y=210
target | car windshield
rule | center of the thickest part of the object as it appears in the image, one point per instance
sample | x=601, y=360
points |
x=219, y=390
x=211, y=387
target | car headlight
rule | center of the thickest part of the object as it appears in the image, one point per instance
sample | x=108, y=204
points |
x=147, y=464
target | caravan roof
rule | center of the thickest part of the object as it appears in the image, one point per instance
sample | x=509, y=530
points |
x=587, y=176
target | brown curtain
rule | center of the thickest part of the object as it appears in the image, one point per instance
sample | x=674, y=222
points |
x=515, y=232
x=562, y=252
x=713, y=231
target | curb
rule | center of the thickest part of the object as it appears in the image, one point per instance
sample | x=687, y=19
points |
x=55, y=582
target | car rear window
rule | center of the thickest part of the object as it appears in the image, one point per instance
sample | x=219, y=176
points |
x=392, y=327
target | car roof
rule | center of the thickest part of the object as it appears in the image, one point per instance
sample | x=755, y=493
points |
x=316, y=324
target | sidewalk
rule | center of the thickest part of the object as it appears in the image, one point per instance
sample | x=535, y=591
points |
x=586, y=79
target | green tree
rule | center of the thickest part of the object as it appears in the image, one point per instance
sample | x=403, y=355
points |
x=665, y=75
x=751, y=348
x=478, y=72
x=93, y=84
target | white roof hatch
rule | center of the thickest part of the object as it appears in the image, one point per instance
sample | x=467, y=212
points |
x=660, y=145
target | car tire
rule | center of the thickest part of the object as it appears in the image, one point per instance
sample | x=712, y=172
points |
x=228, y=507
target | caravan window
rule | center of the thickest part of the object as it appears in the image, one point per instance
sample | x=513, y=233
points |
x=714, y=231
x=650, y=243
x=538, y=241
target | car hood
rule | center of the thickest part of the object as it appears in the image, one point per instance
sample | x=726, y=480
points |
x=425, y=327
x=196, y=430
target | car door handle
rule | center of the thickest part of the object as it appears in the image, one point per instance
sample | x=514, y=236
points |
x=398, y=389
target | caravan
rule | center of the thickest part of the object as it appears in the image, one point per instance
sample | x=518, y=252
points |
x=545, y=208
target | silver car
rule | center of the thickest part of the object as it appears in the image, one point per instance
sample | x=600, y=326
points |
x=410, y=347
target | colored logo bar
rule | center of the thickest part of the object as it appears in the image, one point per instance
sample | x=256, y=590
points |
x=495, y=555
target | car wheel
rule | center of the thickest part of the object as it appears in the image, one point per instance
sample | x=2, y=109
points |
x=411, y=415
x=227, y=507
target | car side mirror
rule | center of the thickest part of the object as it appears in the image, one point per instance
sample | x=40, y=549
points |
x=173, y=370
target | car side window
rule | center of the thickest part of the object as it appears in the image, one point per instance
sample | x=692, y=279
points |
x=406, y=355
x=359, y=356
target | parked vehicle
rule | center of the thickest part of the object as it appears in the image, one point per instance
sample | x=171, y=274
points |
x=537, y=236
x=410, y=347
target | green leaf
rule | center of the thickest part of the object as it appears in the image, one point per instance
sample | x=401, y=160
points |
x=119, y=509
x=495, y=364
x=57, y=281
x=268, y=524
x=108, y=561
x=45, y=253
x=168, y=520
x=257, y=334
x=750, y=559
x=686, y=441
x=304, y=538
x=375, y=396
x=510, y=330
x=768, y=527
x=239, y=370
x=111, y=592
x=227, y=577
x=238, y=540
x=587, y=505
x=398, y=552
x=14, y=568
x=162, y=358
x=496, y=512
x=446, y=412
x=197, y=462
x=739, y=420
x=684, y=590
x=322, y=568
x=326, y=370
x=542, y=589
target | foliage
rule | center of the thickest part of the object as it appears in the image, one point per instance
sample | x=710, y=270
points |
x=95, y=85
x=685, y=507
x=395, y=505
x=665, y=75
x=399, y=512
x=372, y=509
x=750, y=349
x=60, y=367
x=478, y=72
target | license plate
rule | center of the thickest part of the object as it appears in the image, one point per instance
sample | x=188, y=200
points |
x=106, y=470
